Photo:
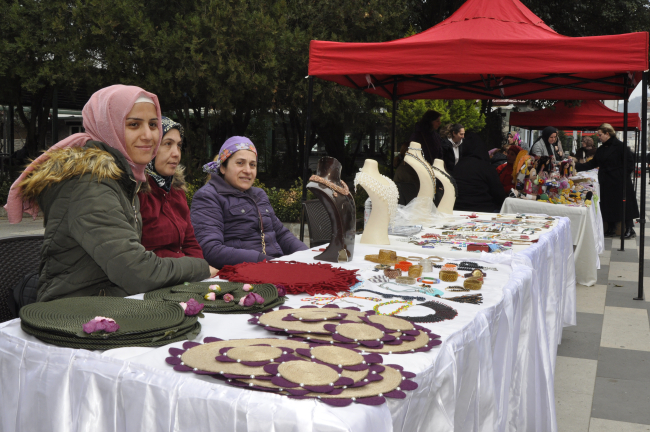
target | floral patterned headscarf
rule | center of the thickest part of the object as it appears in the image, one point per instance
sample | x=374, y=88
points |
x=164, y=182
x=229, y=148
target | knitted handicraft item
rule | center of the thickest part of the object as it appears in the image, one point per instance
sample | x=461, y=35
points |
x=296, y=277
x=388, y=192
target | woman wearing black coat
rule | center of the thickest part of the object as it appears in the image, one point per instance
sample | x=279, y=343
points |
x=479, y=187
x=609, y=161
x=426, y=133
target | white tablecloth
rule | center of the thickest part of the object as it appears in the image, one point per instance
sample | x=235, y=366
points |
x=586, y=231
x=493, y=372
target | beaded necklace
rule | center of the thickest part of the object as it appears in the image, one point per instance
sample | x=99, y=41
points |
x=424, y=290
x=443, y=313
x=418, y=298
x=426, y=166
x=407, y=304
x=451, y=180
x=476, y=299
x=388, y=192
x=318, y=301
x=343, y=190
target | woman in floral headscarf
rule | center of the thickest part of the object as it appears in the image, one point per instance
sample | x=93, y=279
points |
x=166, y=226
x=234, y=221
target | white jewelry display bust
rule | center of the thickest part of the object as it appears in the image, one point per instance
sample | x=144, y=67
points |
x=376, y=230
x=448, y=200
x=427, y=188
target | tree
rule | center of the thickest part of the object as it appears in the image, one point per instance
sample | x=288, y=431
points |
x=40, y=50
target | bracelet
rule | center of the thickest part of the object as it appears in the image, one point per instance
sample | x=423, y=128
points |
x=437, y=258
x=456, y=288
x=429, y=280
x=415, y=271
x=407, y=305
x=403, y=265
x=407, y=280
x=392, y=273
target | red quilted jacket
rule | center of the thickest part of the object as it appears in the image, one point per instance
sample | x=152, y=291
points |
x=166, y=226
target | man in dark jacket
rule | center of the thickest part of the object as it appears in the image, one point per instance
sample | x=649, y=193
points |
x=479, y=188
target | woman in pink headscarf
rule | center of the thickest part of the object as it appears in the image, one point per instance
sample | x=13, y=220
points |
x=86, y=186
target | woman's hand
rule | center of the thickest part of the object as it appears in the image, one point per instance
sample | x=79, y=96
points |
x=213, y=272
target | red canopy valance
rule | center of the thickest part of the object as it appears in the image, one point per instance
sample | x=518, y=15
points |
x=488, y=49
x=588, y=116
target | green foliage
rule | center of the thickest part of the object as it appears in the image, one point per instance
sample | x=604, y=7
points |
x=5, y=185
x=286, y=203
x=409, y=112
x=194, y=185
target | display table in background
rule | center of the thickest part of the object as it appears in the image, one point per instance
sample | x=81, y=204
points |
x=494, y=370
x=586, y=232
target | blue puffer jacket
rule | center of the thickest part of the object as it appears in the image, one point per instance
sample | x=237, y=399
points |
x=227, y=225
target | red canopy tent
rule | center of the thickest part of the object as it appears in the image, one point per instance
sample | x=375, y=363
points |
x=489, y=49
x=588, y=116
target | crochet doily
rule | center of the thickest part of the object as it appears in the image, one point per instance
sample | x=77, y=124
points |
x=296, y=277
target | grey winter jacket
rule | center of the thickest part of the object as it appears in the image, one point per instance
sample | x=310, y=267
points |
x=93, y=228
x=227, y=225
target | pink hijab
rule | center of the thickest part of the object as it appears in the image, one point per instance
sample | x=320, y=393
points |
x=103, y=119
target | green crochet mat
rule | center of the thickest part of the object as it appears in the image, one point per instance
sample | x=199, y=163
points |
x=182, y=293
x=66, y=317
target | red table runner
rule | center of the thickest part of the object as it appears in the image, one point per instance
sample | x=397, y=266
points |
x=296, y=277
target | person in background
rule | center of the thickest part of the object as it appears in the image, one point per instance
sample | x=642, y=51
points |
x=452, y=145
x=547, y=145
x=609, y=159
x=87, y=187
x=587, y=151
x=166, y=226
x=479, y=188
x=406, y=179
x=426, y=133
x=498, y=156
x=234, y=221
x=505, y=171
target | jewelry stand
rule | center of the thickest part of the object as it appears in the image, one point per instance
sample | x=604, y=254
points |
x=423, y=169
x=449, y=198
x=339, y=207
x=383, y=194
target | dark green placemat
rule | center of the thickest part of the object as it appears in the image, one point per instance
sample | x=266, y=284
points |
x=267, y=291
x=95, y=345
x=187, y=324
x=203, y=287
x=66, y=317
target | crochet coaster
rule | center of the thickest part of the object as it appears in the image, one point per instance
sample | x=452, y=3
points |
x=296, y=277
x=277, y=320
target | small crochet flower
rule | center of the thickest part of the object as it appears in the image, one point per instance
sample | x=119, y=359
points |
x=210, y=296
x=247, y=287
x=251, y=299
x=228, y=298
x=282, y=291
x=192, y=307
x=99, y=323
x=214, y=288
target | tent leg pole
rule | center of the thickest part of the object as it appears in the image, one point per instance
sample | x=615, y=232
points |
x=307, y=151
x=393, y=129
x=636, y=159
x=644, y=148
x=623, y=228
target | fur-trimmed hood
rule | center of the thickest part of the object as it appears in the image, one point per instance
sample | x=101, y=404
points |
x=68, y=163
x=178, y=182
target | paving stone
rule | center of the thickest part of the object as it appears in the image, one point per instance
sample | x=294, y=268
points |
x=627, y=328
x=624, y=271
x=623, y=364
x=602, y=275
x=591, y=299
x=579, y=344
x=588, y=323
x=624, y=297
x=621, y=400
x=602, y=425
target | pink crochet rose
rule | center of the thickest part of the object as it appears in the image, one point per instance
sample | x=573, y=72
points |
x=247, y=287
x=251, y=299
x=214, y=288
x=192, y=307
x=228, y=298
x=210, y=296
x=99, y=323
x=282, y=291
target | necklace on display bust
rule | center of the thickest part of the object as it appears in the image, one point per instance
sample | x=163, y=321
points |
x=450, y=178
x=387, y=192
x=343, y=190
x=425, y=164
